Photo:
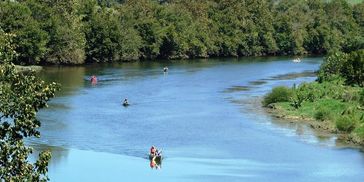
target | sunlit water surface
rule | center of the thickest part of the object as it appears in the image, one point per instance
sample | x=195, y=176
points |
x=204, y=114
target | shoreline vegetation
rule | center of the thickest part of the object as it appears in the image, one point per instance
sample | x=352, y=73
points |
x=333, y=103
x=87, y=31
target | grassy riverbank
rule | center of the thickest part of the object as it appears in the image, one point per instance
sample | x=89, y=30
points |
x=343, y=114
x=335, y=102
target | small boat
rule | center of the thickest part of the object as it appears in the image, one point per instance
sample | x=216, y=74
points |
x=93, y=80
x=297, y=60
x=125, y=102
x=157, y=159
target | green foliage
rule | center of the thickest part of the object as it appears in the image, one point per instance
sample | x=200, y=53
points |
x=30, y=39
x=348, y=66
x=322, y=114
x=353, y=68
x=350, y=95
x=67, y=39
x=328, y=101
x=359, y=131
x=346, y=123
x=70, y=31
x=361, y=97
x=278, y=94
x=358, y=14
x=108, y=40
x=7, y=48
x=332, y=66
x=22, y=95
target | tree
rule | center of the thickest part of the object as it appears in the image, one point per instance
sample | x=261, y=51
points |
x=332, y=66
x=110, y=39
x=348, y=66
x=31, y=40
x=7, y=48
x=22, y=95
x=67, y=39
x=141, y=14
x=353, y=68
x=75, y=31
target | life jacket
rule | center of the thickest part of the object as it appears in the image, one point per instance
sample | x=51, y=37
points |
x=152, y=163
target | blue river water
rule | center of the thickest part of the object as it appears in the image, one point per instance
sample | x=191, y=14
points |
x=204, y=114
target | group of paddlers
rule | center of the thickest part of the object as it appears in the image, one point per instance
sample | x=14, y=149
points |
x=155, y=155
x=125, y=102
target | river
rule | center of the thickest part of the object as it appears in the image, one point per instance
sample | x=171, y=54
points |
x=204, y=114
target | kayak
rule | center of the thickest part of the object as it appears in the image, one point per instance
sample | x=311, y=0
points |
x=157, y=159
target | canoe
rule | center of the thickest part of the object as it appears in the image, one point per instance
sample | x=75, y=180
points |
x=157, y=159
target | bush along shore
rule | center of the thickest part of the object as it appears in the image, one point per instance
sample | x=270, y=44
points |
x=334, y=102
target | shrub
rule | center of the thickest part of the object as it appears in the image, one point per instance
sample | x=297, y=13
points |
x=346, y=123
x=322, y=114
x=361, y=97
x=353, y=68
x=331, y=66
x=360, y=131
x=297, y=99
x=349, y=66
x=278, y=94
x=350, y=95
x=348, y=111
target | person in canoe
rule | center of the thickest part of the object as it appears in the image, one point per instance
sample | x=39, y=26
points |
x=152, y=151
x=155, y=157
x=93, y=79
x=125, y=102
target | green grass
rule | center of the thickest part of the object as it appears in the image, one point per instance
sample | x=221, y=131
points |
x=309, y=109
x=355, y=1
x=350, y=1
x=345, y=116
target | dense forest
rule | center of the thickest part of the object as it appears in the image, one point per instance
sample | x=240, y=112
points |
x=84, y=31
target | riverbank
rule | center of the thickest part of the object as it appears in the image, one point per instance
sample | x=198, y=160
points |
x=335, y=102
x=309, y=113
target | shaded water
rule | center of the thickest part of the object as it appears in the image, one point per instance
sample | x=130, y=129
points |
x=202, y=113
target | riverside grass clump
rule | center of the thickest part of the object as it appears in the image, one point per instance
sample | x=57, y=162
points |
x=278, y=94
x=346, y=123
x=322, y=114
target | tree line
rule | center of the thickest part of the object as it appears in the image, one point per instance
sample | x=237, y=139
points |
x=84, y=31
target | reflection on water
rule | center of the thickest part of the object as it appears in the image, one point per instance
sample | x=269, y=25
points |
x=59, y=154
x=70, y=78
